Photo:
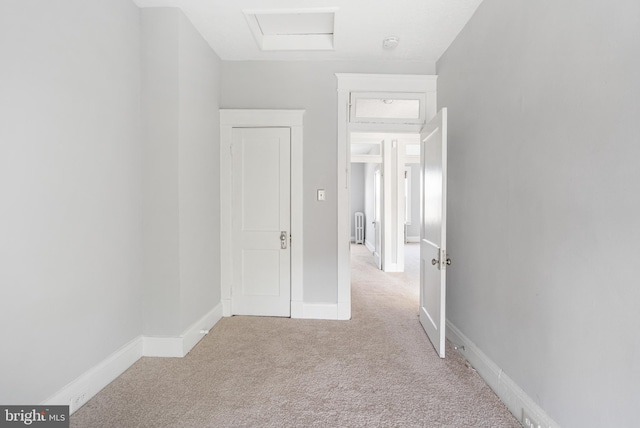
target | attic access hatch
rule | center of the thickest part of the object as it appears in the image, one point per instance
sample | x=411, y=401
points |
x=292, y=29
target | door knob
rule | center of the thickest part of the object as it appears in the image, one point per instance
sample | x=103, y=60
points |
x=434, y=262
x=448, y=261
x=283, y=239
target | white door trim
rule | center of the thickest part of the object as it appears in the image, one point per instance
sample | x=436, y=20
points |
x=247, y=118
x=347, y=83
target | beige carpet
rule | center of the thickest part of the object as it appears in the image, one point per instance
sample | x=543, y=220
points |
x=377, y=370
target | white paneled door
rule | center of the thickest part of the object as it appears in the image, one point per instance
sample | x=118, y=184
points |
x=261, y=222
x=433, y=230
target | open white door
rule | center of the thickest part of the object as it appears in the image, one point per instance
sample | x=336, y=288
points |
x=377, y=221
x=261, y=222
x=433, y=229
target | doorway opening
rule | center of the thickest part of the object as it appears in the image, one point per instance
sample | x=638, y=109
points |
x=372, y=103
x=385, y=191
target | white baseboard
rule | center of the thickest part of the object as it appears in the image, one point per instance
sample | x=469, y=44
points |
x=200, y=328
x=156, y=346
x=82, y=389
x=78, y=392
x=181, y=345
x=318, y=311
x=369, y=246
x=509, y=392
x=413, y=239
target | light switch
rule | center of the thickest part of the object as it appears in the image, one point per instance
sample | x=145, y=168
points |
x=321, y=194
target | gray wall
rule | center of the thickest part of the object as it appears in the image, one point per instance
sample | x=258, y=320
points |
x=199, y=175
x=70, y=154
x=161, y=117
x=312, y=86
x=181, y=175
x=109, y=182
x=357, y=193
x=544, y=203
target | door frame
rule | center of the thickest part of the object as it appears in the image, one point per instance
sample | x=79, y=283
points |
x=253, y=118
x=378, y=212
x=355, y=82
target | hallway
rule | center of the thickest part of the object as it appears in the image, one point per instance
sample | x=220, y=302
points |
x=376, y=370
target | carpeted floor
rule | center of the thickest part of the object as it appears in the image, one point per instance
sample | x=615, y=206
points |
x=377, y=370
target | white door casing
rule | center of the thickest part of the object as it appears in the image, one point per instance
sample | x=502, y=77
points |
x=433, y=230
x=393, y=247
x=377, y=221
x=349, y=83
x=261, y=222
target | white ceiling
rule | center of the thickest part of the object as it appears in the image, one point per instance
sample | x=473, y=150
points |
x=425, y=28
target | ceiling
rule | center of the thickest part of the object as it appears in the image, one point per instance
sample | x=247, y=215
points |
x=425, y=28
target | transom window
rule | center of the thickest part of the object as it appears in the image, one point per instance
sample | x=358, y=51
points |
x=387, y=107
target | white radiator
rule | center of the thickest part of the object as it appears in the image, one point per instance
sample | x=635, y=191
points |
x=359, y=228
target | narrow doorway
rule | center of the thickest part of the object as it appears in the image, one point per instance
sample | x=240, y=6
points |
x=385, y=189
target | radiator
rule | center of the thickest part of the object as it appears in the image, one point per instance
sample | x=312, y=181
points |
x=359, y=228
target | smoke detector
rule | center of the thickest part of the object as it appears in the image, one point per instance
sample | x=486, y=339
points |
x=390, y=42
